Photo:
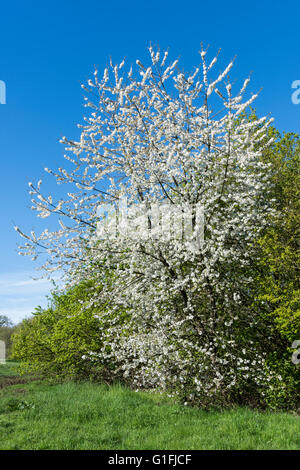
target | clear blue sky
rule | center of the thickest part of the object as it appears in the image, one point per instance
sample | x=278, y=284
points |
x=47, y=49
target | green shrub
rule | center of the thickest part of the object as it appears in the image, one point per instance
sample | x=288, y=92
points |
x=278, y=281
x=56, y=340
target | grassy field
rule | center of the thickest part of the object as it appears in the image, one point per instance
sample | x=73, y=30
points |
x=38, y=415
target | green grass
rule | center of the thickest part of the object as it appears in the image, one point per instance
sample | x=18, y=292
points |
x=9, y=375
x=9, y=369
x=38, y=415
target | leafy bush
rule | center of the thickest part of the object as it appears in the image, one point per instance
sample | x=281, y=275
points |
x=278, y=274
x=56, y=340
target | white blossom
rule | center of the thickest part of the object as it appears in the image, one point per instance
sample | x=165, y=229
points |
x=154, y=137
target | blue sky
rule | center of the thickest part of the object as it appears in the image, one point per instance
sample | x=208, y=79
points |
x=49, y=48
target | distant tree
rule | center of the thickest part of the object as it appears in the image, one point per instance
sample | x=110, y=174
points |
x=5, y=321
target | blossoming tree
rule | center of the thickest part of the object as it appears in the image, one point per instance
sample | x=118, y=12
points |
x=163, y=138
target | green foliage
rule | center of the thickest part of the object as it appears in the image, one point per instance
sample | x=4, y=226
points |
x=55, y=340
x=278, y=281
x=283, y=390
